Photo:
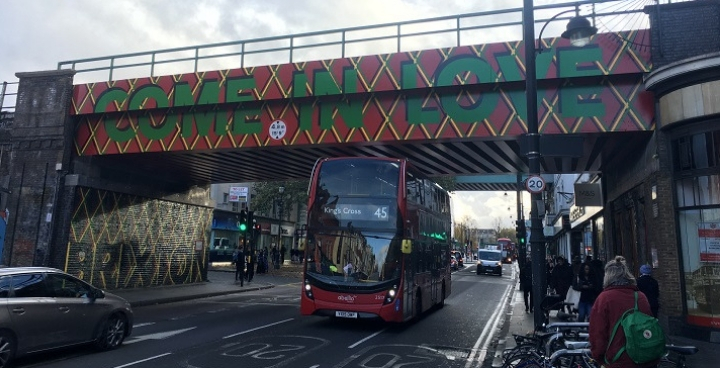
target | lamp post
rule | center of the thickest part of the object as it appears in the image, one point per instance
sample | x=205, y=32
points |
x=578, y=32
x=281, y=190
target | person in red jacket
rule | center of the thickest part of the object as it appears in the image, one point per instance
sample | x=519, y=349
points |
x=618, y=295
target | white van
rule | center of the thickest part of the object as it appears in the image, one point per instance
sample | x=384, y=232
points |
x=489, y=261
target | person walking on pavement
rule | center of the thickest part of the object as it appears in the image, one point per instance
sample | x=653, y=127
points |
x=526, y=284
x=587, y=284
x=239, y=258
x=561, y=279
x=250, y=268
x=616, y=298
x=649, y=286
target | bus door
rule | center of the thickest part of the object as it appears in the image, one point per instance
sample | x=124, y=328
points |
x=408, y=286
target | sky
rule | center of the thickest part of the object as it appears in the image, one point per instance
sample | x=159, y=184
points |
x=37, y=34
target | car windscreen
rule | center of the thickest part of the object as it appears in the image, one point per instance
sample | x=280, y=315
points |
x=489, y=256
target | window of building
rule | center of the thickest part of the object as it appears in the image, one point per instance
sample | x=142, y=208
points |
x=696, y=160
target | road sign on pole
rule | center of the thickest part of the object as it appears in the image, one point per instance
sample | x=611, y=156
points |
x=535, y=184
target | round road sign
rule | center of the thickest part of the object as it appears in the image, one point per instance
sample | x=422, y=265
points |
x=535, y=184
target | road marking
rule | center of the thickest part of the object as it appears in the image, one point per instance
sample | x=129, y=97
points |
x=486, y=334
x=366, y=339
x=143, y=324
x=158, y=336
x=258, y=328
x=141, y=361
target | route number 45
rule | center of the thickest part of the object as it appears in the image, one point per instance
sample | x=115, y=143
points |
x=382, y=213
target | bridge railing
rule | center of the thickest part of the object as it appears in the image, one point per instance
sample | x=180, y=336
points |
x=458, y=30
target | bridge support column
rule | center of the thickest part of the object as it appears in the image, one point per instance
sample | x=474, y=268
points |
x=40, y=142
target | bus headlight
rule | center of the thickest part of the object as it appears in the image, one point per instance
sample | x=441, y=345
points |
x=390, y=295
x=308, y=289
x=499, y=263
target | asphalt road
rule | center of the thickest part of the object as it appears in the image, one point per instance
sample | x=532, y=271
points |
x=264, y=329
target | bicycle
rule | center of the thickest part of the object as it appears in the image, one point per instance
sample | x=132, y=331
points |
x=569, y=358
x=675, y=356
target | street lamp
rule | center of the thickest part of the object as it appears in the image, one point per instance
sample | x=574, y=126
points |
x=578, y=31
x=281, y=190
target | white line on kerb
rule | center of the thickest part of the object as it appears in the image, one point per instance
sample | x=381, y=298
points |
x=141, y=361
x=486, y=334
x=258, y=328
x=366, y=339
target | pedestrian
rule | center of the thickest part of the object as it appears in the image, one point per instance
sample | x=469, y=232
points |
x=250, y=267
x=618, y=296
x=282, y=254
x=587, y=284
x=348, y=269
x=526, y=284
x=561, y=279
x=239, y=257
x=649, y=286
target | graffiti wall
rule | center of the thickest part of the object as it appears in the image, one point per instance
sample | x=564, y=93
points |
x=120, y=241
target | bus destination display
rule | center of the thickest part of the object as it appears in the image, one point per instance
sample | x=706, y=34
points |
x=358, y=212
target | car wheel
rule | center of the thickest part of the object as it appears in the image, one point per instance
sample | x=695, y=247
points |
x=112, y=333
x=7, y=349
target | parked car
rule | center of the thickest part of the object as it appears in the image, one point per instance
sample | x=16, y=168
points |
x=45, y=309
x=489, y=261
x=459, y=257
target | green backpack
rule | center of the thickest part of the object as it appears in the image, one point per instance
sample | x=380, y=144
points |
x=644, y=338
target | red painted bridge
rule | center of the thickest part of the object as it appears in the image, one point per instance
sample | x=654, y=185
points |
x=453, y=111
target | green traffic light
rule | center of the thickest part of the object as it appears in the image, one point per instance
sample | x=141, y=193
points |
x=243, y=227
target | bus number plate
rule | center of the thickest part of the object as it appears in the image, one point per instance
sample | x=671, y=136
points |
x=344, y=314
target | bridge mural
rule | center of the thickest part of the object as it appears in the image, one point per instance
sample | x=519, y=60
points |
x=461, y=93
x=121, y=241
x=452, y=94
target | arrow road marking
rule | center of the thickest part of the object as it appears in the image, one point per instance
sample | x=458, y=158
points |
x=158, y=335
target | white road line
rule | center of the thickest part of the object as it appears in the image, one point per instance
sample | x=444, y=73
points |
x=366, y=339
x=141, y=361
x=486, y=333
x=258, y=328
x=143, y=324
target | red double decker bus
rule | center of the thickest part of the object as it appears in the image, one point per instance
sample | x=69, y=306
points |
x=377, y=243
x=508, y=248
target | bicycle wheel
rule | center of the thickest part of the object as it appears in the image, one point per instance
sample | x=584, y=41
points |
x=526, y=359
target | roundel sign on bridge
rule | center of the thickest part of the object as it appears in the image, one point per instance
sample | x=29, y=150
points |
x=535, y=184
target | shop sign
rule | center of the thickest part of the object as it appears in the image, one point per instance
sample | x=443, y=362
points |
x=588, y=194
x=238, y=194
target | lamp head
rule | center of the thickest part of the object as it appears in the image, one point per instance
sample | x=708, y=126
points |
x=281, y=189
x=578, y=31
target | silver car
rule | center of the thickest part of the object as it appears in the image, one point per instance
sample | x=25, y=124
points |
x=45, y=308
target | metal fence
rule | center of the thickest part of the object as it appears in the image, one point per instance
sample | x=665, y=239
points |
x=448, y=31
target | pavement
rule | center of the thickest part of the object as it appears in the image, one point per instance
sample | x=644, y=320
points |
x=220, y=281
x=521, y=323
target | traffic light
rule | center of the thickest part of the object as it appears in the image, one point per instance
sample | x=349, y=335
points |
x=250, y=220
x=243, y=223
x=520, y=231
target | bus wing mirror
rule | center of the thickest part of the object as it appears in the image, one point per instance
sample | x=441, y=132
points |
x=406, y=246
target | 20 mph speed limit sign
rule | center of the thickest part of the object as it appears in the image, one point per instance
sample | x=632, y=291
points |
x=535, y=184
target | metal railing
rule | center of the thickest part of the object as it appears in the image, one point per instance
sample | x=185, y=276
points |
x=448, y=31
